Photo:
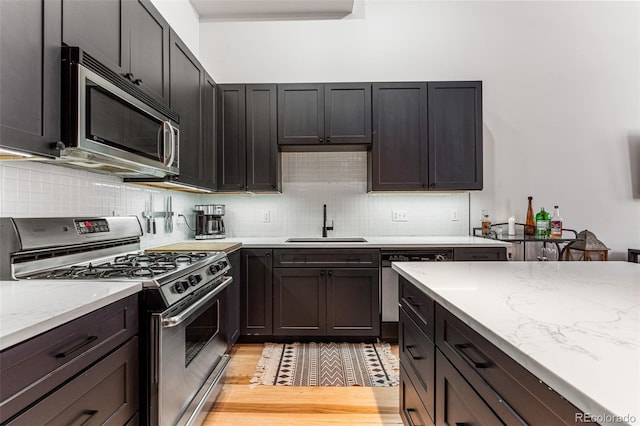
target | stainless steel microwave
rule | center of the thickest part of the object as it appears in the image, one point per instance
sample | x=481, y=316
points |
x=111, y=126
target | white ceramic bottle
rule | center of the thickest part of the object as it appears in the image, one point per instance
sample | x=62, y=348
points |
x=512, y=225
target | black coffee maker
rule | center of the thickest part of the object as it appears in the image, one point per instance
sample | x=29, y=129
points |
x=209, y=223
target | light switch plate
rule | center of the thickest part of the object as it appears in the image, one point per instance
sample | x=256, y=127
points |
x=454, y=215
x=266, y=216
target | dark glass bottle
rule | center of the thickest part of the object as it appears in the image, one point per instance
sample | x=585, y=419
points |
x=530, y=227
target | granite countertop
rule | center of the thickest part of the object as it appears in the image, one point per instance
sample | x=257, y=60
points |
x=574, y=325
x=372, y=242
x=31, y=307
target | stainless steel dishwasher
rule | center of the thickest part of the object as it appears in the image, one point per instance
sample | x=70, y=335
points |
x=389, y=280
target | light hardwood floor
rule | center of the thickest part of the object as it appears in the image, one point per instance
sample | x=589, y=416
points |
x=238, y=404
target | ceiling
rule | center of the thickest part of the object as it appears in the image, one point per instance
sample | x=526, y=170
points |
x=227, y=10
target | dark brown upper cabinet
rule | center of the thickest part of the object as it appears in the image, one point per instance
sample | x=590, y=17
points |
x=399, y=154
x=426, y=136
x=30, y=75
x=186, y=82
x=455, y=135
x=209, y=132
x=247, y=138
x=231, y=141
x=128, y=36
x=313, y=117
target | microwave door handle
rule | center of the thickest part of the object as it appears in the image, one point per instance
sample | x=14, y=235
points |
x=172, y=156
x=161, y=138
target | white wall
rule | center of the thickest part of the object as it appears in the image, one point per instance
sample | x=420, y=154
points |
x=184, y=20
x=561, y=90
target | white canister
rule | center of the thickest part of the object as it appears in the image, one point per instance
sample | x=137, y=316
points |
x=512, y=225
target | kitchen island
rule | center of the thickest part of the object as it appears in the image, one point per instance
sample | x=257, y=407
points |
x=573, y=325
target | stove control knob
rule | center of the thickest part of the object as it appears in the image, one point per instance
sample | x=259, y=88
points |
x=178, y=288
x=213, y=269
x=194, y=280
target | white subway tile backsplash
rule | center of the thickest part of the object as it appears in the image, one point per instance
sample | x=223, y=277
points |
x=32, y=189
x=338, y=179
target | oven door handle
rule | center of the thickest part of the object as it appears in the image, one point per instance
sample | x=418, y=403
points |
x=180, y=318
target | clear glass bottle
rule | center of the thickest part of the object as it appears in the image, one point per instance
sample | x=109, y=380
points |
x=556, y=224
x=530, y=226
x=543, y=223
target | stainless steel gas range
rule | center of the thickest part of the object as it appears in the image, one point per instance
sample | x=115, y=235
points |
x=183, y=305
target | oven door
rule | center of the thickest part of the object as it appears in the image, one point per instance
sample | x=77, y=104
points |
x=190, y=343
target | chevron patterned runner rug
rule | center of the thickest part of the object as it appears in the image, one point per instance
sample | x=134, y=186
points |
x=327, y=364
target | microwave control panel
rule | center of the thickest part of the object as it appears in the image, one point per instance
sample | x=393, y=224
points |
x=91, y=226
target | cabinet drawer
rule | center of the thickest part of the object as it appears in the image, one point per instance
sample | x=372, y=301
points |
x=467, y=254
x=418, y=305
x=31, y=369
x=417, y=353
x=456, y=401
x=332, y=258
x=515, y=394
x=106, y=393
x=412, y=410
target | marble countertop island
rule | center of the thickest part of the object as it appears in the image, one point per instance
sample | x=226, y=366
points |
x=31, y=307
x=574, y=325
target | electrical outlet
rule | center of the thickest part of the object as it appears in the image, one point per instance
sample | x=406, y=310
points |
x=399, y=216
x=266, y=216
x=454, y=215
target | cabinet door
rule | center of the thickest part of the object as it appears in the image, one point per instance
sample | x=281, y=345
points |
x=347, y=111
x=105, y=394
x=456, y=401
x=209, y=133
x=233, y=299
x=455, y=135
x=98, y=27
x=231, y=138
x=399, y=157
x=353, y=302
x=187, y=77
x=256, y=292
x=300, y=114
x=299, y=302
x=262, y=139
x=30, y=80
x=149, y=48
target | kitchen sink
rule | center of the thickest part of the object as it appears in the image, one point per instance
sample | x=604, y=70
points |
x=326, y=240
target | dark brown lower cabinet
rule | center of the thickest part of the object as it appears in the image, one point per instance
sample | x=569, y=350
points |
x=106, y=393
x=456, y=401
x=353, y=302
x=300, y=304
x=326, y=302
x=412, y=409
x=256, y=292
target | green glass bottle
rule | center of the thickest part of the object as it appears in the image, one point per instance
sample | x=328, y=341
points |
x=543, y=223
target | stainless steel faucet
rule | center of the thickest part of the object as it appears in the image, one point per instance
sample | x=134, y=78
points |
x=325, y=228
